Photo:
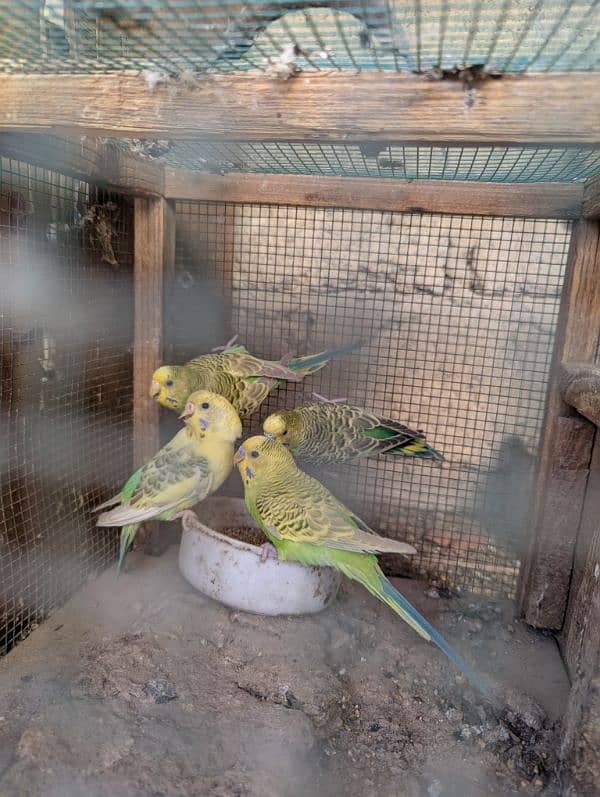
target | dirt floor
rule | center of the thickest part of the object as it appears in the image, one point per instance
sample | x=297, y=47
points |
x=142, y=686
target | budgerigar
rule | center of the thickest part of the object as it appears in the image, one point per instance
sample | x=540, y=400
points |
x=243, y=379
x=323, y=432
x=191, y=466
x=306, y=523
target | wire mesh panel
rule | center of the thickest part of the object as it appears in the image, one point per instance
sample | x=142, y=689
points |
x=372, y=159
x=458, y=316
x=66, y=394
x=287, y=35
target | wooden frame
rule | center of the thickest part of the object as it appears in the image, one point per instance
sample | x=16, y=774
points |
x=566, y=445
x=314, y=106
x=154, y=258
x=533, y=200
x=591, y=198
x=580, y=637
x=87, y=159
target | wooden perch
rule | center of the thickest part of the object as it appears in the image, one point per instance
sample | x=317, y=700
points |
x=314, y=106
x=580, y=388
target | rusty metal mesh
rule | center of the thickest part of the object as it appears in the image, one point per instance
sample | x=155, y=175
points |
x=458, y=314
x=66, y=394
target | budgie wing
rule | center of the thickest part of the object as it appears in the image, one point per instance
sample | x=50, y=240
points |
x=308, y=513
x=361, y=429
x=175, y=476
x=253, y=395
x=243, y=365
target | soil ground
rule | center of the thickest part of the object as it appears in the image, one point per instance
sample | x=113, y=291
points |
x=142, y=686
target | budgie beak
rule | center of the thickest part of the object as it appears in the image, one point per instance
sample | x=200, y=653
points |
x=188, y=411
x=154, y=388
x=239, y=455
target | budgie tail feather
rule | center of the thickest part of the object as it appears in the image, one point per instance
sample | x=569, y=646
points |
x=127, y=536
x=313, y=362
x=372, y=578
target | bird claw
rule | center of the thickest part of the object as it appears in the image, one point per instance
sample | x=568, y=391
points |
x=189, y=519
x=268, y=550
x=227, y=345
x=319, y=397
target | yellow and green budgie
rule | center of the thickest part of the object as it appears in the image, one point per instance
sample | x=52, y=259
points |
x=306, y=523
x=191, y=466
x=243, y=379
x=324, y=432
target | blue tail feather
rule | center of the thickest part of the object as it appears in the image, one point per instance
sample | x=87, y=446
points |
x=315, y=360
x=436, y=637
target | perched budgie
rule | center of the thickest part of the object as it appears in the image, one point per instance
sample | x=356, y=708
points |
x=234, y=373
x=324, y=432
x=306, y=523
x=191, y=466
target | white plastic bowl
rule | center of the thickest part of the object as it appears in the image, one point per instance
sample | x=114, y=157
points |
x=230, y=571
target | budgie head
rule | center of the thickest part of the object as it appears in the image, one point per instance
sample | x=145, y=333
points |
x=209, y=415
x=263, y=457
x=286, y=427
x=170, y=386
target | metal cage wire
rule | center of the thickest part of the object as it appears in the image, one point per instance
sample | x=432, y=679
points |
x=458, y=314
x=66, y=400
x=494, y=164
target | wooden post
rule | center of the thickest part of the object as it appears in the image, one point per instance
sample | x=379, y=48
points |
x=566, y=445
x=154, y=253
x=580, y=748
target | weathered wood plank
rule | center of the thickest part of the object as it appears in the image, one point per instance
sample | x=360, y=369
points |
x=101, y=163
x=566, y=444
x=580, y=749
x=151, y=220
x=522, y=109
x=154, y=235
x=591, y=198
x=531, y=200
x=578, y=628
x=580, y=386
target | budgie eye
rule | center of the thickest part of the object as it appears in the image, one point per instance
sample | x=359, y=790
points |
x=205, y=405
x=284, y=431
x=254, y=454
x=169, y=383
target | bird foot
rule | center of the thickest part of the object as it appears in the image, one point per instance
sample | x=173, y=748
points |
x=268, y=550
x=189, y=519
x=319, y=397
x=227, y=345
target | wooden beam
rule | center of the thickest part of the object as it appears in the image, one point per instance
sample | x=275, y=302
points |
x=154, y=249
x=591, y=198
x=580, y=386
x=566, y=445
x=101, y=163
x=533, y=200
x=315, y=106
